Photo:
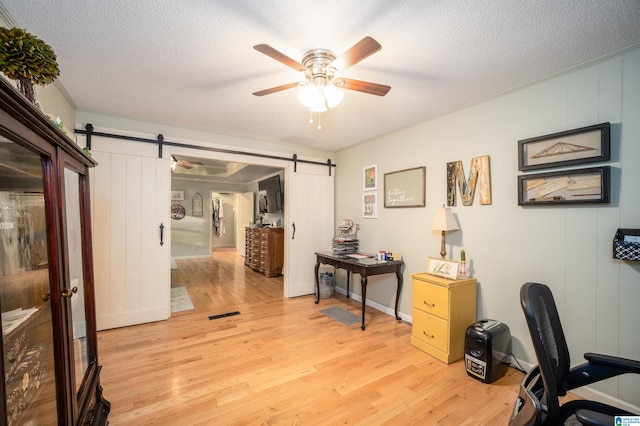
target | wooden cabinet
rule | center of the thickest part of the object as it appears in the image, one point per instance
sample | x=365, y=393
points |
x=442, y=311
x=264, y=250
x=49, y=356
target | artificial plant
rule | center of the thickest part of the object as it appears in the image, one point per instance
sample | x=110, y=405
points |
x=27, y=59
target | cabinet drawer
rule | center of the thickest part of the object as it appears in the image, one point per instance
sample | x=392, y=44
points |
x=431, y=298
x=431, y=330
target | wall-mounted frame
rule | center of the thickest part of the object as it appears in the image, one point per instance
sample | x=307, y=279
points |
x=443, y=268
x=577, y=186
x=196, y=205
x=177, y=195
x=370, y=177
x=370, y=205
x=405, y=188
x=589, y=144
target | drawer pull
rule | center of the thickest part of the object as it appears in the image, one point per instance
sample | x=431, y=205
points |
x=429, y=305
x=428, y=336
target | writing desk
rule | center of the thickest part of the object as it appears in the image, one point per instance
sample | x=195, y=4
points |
x=365, y=268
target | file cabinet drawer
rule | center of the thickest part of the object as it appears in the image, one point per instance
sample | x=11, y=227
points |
x=431, y=330
x=431, y=298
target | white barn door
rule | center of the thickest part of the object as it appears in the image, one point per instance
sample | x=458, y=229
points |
x=309, y=224
x=130, y=191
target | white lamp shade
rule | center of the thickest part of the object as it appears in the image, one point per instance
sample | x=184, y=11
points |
x=333, y=95
x=444, y=220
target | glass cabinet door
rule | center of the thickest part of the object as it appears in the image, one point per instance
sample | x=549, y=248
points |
x=27, y=329
x=75, y=286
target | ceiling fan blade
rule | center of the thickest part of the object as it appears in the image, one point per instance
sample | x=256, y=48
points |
x=363, y=86
x=276, y=89
x=279, y=56
x=184, y=165
x=359, y=51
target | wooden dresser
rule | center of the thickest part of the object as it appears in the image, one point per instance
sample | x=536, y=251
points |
x=264, y=250
x=442, y=311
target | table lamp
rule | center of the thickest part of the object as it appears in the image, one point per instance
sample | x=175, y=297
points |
x=444, y=221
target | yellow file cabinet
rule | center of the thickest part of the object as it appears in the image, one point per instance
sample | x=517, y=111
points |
x=442, y=311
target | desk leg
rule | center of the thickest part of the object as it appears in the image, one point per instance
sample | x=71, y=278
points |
x=363, y=282
x=399, y=289
x=348, y=280
x=317, y=282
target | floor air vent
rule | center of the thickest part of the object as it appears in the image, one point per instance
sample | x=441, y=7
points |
x=228, y=314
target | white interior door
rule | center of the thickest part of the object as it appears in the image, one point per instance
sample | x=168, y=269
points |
x=130, y=191
x=309, y=224
x=244, y=216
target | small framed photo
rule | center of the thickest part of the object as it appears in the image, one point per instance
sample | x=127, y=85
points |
x=577, y=186
x=443, y=268
x=370, y=205
x=370, y=177
x=589, y=144
x=177, y=195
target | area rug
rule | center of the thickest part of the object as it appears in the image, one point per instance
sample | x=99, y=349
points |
x=180, y=300
x=339, y=314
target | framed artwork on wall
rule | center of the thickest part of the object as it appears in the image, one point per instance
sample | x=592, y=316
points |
x=405, y=188
x=370, y=205
x=589, y=144
x=196, y=205
x=177, y=195
x=370, y=177
x=577, y=186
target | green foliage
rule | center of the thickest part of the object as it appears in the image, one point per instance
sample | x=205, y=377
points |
x=24, y=56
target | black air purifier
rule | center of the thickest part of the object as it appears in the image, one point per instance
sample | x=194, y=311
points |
x=487, y=345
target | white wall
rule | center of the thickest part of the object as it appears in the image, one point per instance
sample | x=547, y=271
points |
x=567, y=248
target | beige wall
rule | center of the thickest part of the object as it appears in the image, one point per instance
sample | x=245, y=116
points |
x=567, y=248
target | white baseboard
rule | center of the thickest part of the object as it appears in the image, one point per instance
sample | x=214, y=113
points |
x=374, y=305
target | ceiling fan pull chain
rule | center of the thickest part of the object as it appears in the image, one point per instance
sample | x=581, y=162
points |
x=319, y=125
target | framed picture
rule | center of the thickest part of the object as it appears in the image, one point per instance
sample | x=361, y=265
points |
x=370, y=177
x=579, y=146
x=370, y=205
x=443, y=268
x=196, y=205
x=405, y=188
x=177, y=195
x=577, y=186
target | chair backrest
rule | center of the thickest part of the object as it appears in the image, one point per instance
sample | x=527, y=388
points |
x=549, y=343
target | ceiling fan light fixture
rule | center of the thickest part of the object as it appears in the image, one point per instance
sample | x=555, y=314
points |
x=174, y=163
x=333, y=95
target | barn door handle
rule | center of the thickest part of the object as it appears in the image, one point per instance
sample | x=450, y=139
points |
x=293, y=236
x=161, y=234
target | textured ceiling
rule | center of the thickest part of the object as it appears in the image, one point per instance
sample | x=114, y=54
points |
x=191, y=63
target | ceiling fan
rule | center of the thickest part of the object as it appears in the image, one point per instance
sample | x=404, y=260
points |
x=321, y=69
x=185, y=164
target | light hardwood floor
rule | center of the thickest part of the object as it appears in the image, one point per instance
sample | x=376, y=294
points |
x=283, y=362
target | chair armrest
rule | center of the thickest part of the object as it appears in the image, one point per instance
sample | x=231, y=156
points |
x=599, y=367
x=627, y=365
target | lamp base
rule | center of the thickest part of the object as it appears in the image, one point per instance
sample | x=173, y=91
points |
x=443, y=251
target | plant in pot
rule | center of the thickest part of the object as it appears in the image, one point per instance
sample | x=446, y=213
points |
x=27, y=59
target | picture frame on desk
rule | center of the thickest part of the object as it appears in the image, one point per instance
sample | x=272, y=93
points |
x=589, y=144
x=443, y=268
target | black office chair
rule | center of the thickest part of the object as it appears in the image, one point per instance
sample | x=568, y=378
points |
x=537, y=402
